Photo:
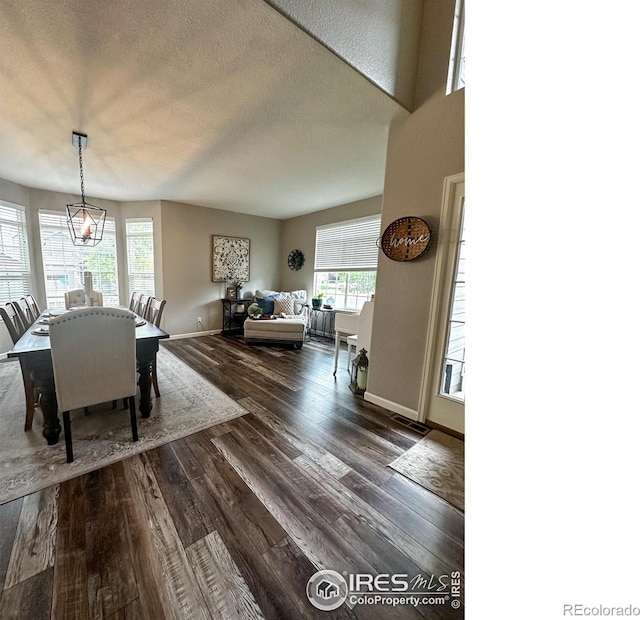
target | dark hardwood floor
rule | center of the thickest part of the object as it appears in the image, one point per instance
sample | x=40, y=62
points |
x=232, y=521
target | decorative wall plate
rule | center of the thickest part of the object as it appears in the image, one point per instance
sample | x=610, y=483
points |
x=405, y=239
x=295, y=260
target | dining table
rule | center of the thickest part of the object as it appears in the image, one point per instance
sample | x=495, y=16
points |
x=34, y=347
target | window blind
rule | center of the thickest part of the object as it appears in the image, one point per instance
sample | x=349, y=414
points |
x=140, y=266
x=15, y=281
x=65, y=263
x=348, y=246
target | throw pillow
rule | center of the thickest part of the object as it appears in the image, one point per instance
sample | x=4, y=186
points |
x=265, y=293
x=283, y=305
x=266, y=303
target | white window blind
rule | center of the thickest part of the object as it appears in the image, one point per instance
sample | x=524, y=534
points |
x=65, y=263
x=348, y=246
x=140, y=264
x=15, y=271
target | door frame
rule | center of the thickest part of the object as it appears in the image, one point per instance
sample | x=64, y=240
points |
x=444, y=271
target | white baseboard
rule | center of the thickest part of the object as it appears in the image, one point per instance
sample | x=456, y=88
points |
x=209, y=332
x=391, y=406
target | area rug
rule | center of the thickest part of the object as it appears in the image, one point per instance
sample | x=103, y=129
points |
x=436, y=463
x=188, y=404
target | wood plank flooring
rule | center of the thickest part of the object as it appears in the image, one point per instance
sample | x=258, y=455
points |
x=231, y=522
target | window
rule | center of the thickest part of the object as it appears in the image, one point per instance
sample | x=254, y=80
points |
x=453, y=371
x=457, y=59
x=346, y=262
x=65, y=263
x=140, y=256
x=15, y=272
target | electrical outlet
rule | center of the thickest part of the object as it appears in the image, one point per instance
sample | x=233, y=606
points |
x=199, y=319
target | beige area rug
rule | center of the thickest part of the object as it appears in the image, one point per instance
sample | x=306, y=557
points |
x=436, y=463
x=189, y=403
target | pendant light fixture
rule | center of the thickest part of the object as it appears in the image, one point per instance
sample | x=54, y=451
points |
x=85, y=221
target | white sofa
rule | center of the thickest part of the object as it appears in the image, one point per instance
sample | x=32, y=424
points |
x=287, y=329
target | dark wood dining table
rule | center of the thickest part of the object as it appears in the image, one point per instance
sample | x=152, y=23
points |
x=35, y=349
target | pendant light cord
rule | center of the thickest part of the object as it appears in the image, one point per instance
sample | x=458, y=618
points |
x=81, y=170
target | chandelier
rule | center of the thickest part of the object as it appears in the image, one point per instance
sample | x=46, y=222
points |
x=85, y=221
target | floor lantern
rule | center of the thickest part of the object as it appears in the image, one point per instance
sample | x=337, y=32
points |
x=359, y=373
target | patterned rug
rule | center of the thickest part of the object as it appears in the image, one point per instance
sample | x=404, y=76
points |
x=436, y=463
x=189, y=403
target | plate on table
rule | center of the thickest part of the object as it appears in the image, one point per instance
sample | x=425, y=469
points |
x=52, y=313
x=41, y=331
x=140, y=322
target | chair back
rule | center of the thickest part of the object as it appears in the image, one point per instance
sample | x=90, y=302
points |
x=97, y=298
x=155, y=307
x=365, y=323
x=142, y=305
x=74, y=298
x=135, y=300
x=24, y=312
x=33, y=305
x=12, y=320
x=93, y=351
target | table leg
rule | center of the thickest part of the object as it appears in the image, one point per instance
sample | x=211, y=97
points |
x=42, y=375
x=145, y=350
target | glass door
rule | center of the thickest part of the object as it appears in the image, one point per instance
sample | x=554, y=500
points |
x=443, y=392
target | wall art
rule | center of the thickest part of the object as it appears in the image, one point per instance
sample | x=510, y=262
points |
x=405, y=239
x=230, y=259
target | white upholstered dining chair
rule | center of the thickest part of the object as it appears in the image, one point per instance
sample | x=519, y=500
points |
x=93, y=351
x=74, y=298
x=77, y=298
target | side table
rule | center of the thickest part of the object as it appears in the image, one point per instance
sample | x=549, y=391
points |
x=321, y=323
x=234, y=313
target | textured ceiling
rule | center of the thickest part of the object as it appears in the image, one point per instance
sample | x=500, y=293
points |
x=221, y=103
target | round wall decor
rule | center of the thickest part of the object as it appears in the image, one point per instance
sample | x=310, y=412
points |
x=405, y=239
x=295, y=260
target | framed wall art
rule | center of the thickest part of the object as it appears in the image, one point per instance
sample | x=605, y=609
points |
x=230, y=259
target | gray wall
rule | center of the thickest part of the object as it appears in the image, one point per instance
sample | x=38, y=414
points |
x=423, y=150
x=186, y=261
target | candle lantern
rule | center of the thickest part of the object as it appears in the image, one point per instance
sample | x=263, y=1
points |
x=359, y=373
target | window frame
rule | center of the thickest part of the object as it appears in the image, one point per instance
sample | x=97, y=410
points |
x=457, y=58
x=24, y=273
x=344, y=259
x=110, y=233
x=130, y=289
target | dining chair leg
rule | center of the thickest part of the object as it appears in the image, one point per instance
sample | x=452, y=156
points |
x=134, y=422
x=67, y=436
